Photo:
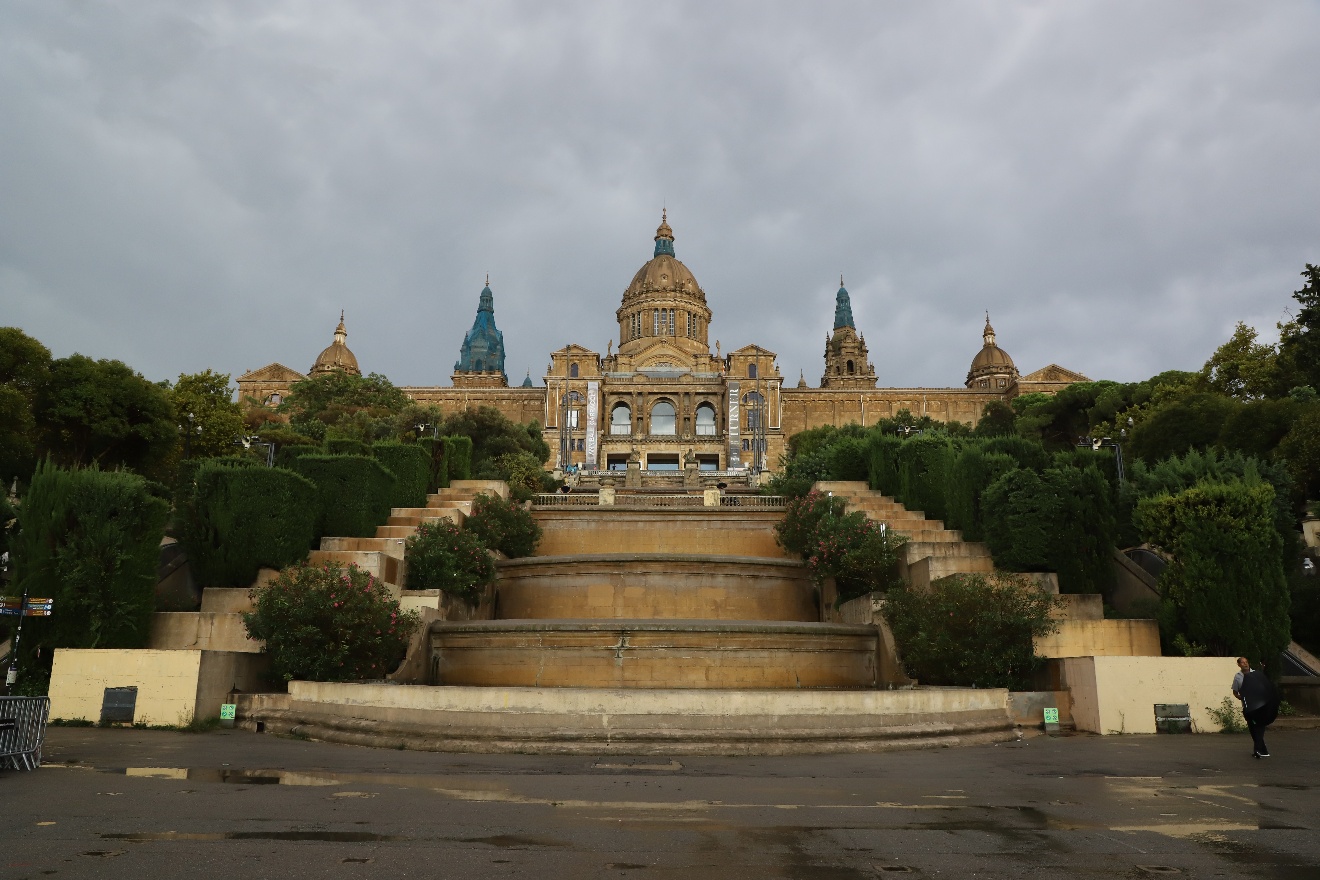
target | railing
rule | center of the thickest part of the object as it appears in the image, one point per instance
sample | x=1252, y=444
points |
x=655, y=501
x=22, y=730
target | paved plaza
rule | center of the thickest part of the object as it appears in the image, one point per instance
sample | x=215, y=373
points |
x=158, y=804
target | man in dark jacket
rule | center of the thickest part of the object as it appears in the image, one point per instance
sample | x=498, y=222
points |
x=1260, y=706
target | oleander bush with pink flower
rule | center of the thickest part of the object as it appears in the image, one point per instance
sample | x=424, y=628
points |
x=325, y=623
x=442, y=556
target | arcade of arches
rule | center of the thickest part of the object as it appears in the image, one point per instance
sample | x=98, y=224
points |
x=664, y=398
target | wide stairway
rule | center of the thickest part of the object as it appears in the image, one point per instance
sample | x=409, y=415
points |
x=639, y=628
x=931, y=551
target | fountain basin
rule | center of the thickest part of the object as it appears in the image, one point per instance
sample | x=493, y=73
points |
x=656, y=586
x=653, y=654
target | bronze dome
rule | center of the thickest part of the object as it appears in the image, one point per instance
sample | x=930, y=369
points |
x=992, y=367
x=336, y=355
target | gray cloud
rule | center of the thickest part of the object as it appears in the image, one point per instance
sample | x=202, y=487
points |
x=200, y=185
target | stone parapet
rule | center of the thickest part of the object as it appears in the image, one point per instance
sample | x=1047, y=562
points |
x=628, y=721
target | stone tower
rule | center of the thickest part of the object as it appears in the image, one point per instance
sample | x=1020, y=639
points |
x=481, y=362
x=846, y=361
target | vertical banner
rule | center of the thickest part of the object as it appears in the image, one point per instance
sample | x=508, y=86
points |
x=593, y=420
x=735, y=436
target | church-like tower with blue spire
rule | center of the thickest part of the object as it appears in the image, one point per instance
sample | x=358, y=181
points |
x=847, y=364
x=481, y=361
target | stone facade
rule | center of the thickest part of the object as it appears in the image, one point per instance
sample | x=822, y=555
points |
x=665, y=400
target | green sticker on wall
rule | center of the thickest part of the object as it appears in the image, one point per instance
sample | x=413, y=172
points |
x=227, y=711
x=1051, y=716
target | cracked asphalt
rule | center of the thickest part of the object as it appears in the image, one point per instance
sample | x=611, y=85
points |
x=159, y=804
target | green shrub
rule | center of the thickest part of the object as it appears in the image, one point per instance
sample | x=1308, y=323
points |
x=970, y=630
x=435, y=449
x=859, y=553
x=354, y=492
x=1225, y=587
x=458, y=457
x=90, y=540
x=847, y=458
x=322, y=623
x=923, y=473
x=411, y=466
x=504, y=526
x=1228, y=715
x=522, y=472
x=796, y=532
x=237, y=520
x=972, y=472
x=883, y=464
x=441, y=556
x=346, y=446
x=1027, y=453
x=1020, y=515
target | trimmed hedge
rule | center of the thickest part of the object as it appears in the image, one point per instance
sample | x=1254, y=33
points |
x=458, y=457
x=411, y=466
x=90, y=540
x=346, y=446
x=435, y=450
x=923, y=472
x=883, y=463
x=972, y=472
x=240, y=519
x=354, y=493
x=1028, y=453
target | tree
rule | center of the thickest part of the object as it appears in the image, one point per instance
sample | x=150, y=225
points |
x=103, y=412
x=24, y=371
x=997, y=419
x=204, y=400
x=504, y=526
x=343, y=405
x=493, y=434
x=1299, y=339
x=1300, y=451
x=1242, y=367
x=1193, y=421
x=1224, y=592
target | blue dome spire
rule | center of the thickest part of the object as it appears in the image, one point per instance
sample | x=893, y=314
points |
x=664, y=236
x=842, y=308
x=483, y=345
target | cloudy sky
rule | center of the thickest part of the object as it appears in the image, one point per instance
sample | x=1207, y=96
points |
x=194, y=185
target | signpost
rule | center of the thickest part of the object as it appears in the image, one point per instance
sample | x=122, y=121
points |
x=21, y=608
x=1051, y=720
x=227, y=714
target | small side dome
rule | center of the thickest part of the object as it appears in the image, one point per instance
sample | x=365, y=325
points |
x=336, y=356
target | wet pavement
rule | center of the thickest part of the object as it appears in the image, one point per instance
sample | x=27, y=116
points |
x=157, y=804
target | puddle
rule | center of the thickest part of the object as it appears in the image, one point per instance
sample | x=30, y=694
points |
x=323, y=836
x=512, y=841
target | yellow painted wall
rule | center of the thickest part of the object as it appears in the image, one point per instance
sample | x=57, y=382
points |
x=166, y=683
x=1118, y=694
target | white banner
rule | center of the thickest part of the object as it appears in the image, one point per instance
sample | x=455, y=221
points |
x=593, y=420
x=735, y=437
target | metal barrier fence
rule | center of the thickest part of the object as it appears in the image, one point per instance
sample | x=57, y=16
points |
x=22, y=730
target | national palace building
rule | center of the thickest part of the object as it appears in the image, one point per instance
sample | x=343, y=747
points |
x=664, y=399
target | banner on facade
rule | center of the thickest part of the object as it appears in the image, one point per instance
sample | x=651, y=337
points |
x=593, y=420
x=735, y=436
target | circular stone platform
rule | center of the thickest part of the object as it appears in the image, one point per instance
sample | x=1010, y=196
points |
x=653, y=654
x=655, y=586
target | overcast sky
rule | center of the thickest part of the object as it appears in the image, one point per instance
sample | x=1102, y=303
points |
x=194, y=185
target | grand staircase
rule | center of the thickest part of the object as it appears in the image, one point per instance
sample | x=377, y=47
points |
x=932, y=551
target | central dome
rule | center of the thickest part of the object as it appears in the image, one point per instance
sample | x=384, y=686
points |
x=665, y=300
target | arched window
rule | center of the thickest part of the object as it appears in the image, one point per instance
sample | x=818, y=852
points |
x=573, y=370
x=851, y=369
x=705, y=420
x=478, y=365
x=662, y=418
x=751, y=371
x=621, y=419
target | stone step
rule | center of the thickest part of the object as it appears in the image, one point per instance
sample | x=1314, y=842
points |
x=462, y=508
x=200, y=631
x=380, y=565
x=398, y=533
x=389, y=546
x=927, y=536
x=412, y=516
x=914, y=550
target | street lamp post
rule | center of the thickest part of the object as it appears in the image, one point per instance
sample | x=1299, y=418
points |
x=187, y=433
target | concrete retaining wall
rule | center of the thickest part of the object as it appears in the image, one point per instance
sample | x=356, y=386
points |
x=1102, y=638
x=1118, y=694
